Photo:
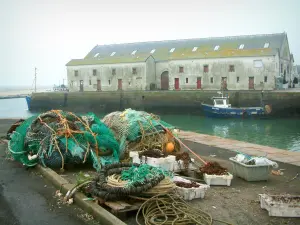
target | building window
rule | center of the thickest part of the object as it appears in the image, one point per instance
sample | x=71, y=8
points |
x=211, y=80
x=90, y=81
x=266, y=79
x=186, y=80
x=76, y=73
x=181, y=69
x=241, y=46
x=113, y=53
x=108, y=82
x=238, y=79
x=257, y=63
x=217, y=47
x=205, y=68
x=288, y=69
x=113, y=71
x=231, y=68
x=134, y=71
x=94, y=72
x=266, y=45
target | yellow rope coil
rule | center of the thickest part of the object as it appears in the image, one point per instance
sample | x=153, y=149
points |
x=165, y=186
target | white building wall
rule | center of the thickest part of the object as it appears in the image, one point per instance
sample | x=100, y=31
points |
x=218, y=68
x=150, y=72
x=109, y=82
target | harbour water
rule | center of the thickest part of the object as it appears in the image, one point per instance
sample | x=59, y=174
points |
x=279, y=133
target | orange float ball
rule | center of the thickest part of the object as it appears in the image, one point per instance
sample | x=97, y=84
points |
x=170, y=147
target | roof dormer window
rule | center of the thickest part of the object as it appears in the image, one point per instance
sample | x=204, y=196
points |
x=242, y=46
x=266, y=45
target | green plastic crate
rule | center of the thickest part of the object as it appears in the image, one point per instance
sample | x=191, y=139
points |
x=250, y=172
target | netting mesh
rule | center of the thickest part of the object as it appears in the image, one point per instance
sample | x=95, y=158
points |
x=56, y=138
x=139, y=130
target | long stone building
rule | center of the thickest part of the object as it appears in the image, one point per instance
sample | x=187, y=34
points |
x=250, y=62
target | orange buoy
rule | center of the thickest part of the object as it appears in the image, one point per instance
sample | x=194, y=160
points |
x=170, y=147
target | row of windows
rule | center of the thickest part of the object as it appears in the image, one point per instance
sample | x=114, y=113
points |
x=206, y=69
x=237, y=80
x=113, y=72
x=194, y=49
x=186, y=80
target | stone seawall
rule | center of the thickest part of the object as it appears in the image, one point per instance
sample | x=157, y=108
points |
x=284, y=104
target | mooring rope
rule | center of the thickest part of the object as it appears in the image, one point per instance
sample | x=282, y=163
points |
x=171, y=209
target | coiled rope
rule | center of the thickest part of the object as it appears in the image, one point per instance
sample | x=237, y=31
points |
x=171, y=209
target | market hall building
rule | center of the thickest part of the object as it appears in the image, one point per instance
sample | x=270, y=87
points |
x=250, y=62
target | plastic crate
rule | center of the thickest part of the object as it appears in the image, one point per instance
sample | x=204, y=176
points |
x=224, y=180
x=276, y=207
x=250, y=172
x=192, y=193
x=179, y=165
x=166, y=163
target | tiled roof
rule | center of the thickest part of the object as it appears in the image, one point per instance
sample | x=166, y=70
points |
x=237, y=46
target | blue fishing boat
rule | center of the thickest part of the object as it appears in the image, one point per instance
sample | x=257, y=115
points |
x=222, y=109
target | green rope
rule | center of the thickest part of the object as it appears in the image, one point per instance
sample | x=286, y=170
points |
x=144, y=171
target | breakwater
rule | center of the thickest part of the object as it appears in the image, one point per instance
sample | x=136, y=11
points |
x=284, y=104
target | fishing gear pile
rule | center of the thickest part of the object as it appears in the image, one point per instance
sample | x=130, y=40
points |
x=139, y=131
x=56, y=138
x=120, y=180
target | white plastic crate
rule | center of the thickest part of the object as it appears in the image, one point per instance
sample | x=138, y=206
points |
x=166, y=163
x=279, y=208
x=191, y=193
x=224, y=180
x=250, y=172
x=179, y=165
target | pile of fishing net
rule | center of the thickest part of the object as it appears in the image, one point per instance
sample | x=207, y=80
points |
x=120, y=180
x=56, y=138
x=139, y=131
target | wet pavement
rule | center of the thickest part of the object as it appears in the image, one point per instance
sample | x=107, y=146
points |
x=28, y=199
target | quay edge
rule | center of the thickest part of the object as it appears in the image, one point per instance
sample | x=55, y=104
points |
x=284, y=104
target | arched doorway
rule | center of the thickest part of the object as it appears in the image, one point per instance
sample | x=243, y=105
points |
x=165, y=81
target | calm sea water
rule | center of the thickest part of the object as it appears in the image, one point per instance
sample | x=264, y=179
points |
x=279, y=133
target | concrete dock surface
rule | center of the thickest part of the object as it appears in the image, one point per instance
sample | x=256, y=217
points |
x=237, y=204
x=271, y=153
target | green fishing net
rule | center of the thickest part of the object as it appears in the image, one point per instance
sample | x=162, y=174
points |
x=142, y=172
x=58, y=137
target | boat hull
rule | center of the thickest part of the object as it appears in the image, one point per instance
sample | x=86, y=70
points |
x=28, y=101
x=247, y=112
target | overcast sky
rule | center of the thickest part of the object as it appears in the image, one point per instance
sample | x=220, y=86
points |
x=47, y=34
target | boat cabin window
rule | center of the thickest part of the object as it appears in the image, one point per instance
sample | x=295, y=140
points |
x=219, y=101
